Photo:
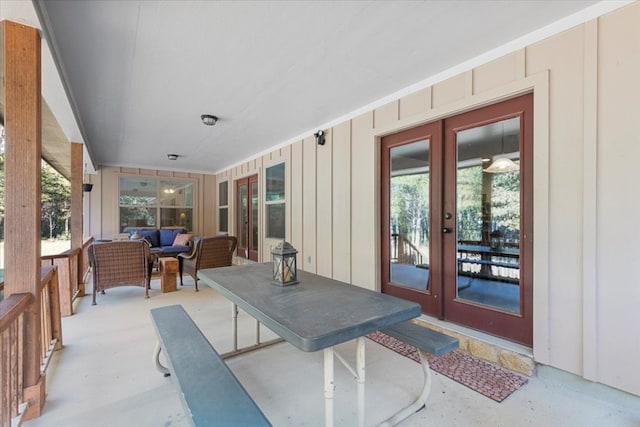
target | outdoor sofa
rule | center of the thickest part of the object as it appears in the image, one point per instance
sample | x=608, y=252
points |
x=171, y=241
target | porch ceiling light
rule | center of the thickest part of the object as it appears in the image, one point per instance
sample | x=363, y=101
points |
x=502, y=164
x=208, y=119
x=172, y=156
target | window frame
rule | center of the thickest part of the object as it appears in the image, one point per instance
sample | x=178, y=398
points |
x=157, y=207
x=223, y=206
x=280, y=202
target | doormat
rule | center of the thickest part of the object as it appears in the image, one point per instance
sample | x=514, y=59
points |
x=487, y=379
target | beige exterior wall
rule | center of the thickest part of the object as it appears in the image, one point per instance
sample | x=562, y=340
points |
x=586, y=142
x=101, y=205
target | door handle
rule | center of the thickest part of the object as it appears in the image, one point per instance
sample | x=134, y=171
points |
x=446, y=230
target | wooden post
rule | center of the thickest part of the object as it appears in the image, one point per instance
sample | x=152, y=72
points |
x=23, y=150
x=77, y=233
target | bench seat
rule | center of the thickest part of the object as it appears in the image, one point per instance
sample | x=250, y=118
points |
x=210, y=392
x=487, y=262
x=425, y=340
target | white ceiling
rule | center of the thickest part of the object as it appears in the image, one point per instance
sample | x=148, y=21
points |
x=140, y=73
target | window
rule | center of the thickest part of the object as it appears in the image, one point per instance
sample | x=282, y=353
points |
x=275, y=202
x=223, y=207
x=149, y=202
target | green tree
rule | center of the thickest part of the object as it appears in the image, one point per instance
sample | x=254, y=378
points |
x=410, y=207
x=56, y=203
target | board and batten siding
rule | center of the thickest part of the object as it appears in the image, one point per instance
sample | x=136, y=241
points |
x=586, y=144
x=102, y=211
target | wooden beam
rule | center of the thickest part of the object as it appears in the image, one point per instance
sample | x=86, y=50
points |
x=77, y=233
x=23, y=151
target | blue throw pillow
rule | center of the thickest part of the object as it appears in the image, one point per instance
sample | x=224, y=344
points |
x=153, y=237
x=168, y=235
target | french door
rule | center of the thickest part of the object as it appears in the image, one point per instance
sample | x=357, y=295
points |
x=247, y=217
x=457, y=218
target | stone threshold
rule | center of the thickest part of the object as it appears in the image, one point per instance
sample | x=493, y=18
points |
x=506, y=354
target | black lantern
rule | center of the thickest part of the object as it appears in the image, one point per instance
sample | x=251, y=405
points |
x=284, y=264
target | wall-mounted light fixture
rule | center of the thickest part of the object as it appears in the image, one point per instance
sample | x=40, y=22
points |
x=319, y=137
x=208, y=119
x=172, y=156
x=87, y=188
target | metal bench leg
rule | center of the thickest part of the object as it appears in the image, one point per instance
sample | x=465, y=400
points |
x=156, y=361
x=420, y=402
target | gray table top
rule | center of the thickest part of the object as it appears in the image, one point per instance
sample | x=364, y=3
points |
x=316, y=313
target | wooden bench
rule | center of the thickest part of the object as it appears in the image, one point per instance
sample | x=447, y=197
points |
x=210, y=393
x=425, y=341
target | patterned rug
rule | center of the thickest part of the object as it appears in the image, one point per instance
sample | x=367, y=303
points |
x=489, y=380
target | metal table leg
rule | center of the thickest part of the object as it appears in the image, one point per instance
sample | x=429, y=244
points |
x=358, y=374
x=420, y=402
x=329, y=387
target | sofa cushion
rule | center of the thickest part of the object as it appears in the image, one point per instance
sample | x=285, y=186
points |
x=168, y=235
x=182, y=239
x=152, y=235
x=174, y=250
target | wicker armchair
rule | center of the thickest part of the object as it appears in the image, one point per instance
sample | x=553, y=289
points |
x=209, y=252
x=120, y=263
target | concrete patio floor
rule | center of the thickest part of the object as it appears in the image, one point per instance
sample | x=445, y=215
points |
x=104, y=377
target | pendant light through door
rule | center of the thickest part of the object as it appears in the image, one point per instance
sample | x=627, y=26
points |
x=502, y=164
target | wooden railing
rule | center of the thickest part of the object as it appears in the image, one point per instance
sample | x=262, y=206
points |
x=50, y=318
x=69, y=276
x=14, y=337
x=72, y=274
x=405, y=252
x=85, y=263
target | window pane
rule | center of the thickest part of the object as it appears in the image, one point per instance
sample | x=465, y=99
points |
x=178, y=217
x=223, y=194
x=275, y=221
x=275, y=183
x=131, y=218
x=176, y=193
x=137, y=191
x=223, y=219
x=488, y=213
x=409, y=215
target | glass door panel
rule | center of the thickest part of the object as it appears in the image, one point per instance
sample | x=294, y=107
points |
x=243, y=220
x=488, y=215
x=253, y=248
x=247, y=216
x=409, y=215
